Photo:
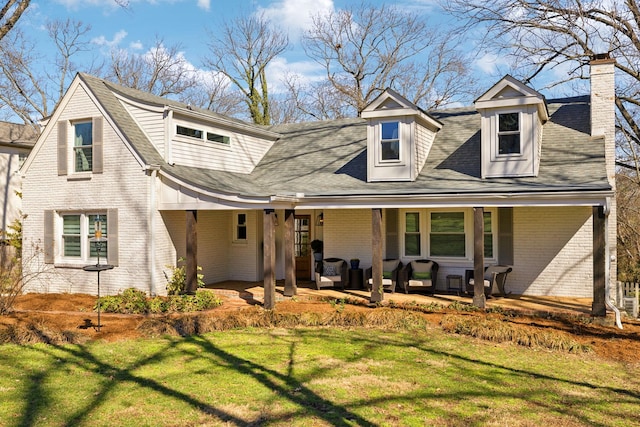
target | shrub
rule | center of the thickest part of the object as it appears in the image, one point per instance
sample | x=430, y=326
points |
x=133, y=301
x=177, y=281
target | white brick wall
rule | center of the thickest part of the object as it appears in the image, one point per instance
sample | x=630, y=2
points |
x=123, y=185
x=553, y=250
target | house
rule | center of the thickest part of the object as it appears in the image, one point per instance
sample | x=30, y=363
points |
x=16, y=141
x=514, y=179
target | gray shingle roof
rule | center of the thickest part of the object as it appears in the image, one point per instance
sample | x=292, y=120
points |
x=328, y=158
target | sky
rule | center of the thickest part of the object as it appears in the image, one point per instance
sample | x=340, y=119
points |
x=187, y=22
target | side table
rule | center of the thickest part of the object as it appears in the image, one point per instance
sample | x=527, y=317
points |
x=355, y=278
x=454, y=283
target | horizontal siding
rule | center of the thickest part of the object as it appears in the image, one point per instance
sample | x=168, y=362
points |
x=150, y=122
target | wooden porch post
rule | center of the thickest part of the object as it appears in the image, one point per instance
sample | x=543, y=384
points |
x=269, y=259
x=598, y=307
x=290, y=288
x=377, y=293
x=478, y=258
x=191, y=269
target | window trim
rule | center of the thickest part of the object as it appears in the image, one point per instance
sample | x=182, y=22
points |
x=425, y=241
x=237, y=226
x=381, y=140
x=498, y=133
x=204, y=132
x=85, y=245
x=75, y=148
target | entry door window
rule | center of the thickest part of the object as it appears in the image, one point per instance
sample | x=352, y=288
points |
x=302, y=234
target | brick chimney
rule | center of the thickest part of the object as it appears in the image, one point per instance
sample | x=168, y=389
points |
x=603, y=108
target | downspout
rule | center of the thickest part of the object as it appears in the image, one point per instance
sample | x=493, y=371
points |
x=607, y=267
x=152, y=226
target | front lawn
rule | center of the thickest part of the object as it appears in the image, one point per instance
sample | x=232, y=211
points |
x=312, y=377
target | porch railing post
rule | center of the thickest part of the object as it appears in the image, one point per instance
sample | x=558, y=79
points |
x=377, y=294
x=479, y=299
x=269, y=259
x=598, y=307
x=290, y=288
x=191, y=268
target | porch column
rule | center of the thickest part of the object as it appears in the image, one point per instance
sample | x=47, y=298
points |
x=191, y=272
x=478, y=258
x=377, y=293
x=290, y=288
x=269, y=259
x=598, y=307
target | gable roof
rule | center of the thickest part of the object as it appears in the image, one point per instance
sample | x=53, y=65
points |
x=17, y=135
x=327, y=159
x=510, y=92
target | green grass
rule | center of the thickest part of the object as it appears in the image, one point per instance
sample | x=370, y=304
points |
x=312, y=377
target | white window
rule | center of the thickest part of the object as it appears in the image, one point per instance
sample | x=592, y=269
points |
x=83, y=146
x=77, y=231
x=412, y=236
x=214, y=137
x=447, y=234
x=190, y=132
x=240, y=227
x=509, y=134
x=389, y=141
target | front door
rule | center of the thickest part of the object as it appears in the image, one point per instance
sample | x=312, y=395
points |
x=302, y=240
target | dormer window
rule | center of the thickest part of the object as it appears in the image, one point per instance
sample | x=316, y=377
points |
x=512, y=119
x=390, y=141
x=509, y=134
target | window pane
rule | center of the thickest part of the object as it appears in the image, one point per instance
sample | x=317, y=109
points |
x=242, y=233
x=93, y=252
x=217, y=138
x=448, y=245
x=487, y=222
x=412, y=222
x=71, y=235
x=242, y=219
x=83, y=134
x=508, y=122
x=390, y=130
x=488, y=246
x=193, y=133
x=445, y=222
x=390, y=150
x=84, y=159
x=412, y=244
x=509, y=144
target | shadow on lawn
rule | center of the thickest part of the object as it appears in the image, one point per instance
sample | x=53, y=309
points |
x=491, y=379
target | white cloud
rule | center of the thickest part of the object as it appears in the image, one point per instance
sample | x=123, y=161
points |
x=490, y=64
x=117, y=38
x=137, y=45
x=295, y=15
x=204, y=4
x=305, y=72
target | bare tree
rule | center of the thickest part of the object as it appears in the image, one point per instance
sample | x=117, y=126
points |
x=365, y=49
x=241, y=49
x=10, y=12
x=162, y=70
x=557, y=39
x=29, y=90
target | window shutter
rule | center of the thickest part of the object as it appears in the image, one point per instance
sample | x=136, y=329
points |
x=63, y=147
x=112, y=236
x=391, y=233
x=97, y=144
x=505, y=236
x=48, y=237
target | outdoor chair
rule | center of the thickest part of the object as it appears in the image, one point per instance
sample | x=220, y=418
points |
x=418, y=275
x=332, y=272
x=495, y=279
x=390, y=275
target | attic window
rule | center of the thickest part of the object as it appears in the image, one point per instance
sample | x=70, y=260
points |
x=193, y=133
x=390, y=141
x=214, y=137
x=509, y=133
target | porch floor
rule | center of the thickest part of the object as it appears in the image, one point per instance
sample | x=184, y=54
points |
x=252, y=293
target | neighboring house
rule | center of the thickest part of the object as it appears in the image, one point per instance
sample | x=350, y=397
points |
x=515, y=179
x=16, y=141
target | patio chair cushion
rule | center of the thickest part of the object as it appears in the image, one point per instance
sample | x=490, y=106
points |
x=328, y=269
x=390, y=265
x=421, y=267
x=418, y=275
